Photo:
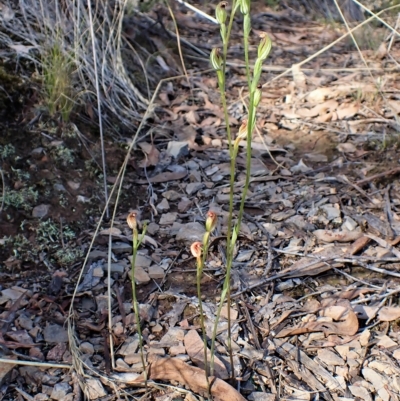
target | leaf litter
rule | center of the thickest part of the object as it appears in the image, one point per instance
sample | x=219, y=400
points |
x=315, y=275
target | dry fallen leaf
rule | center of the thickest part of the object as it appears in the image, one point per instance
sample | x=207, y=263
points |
x=344, y=322
x=337, y=236
x=173, y=369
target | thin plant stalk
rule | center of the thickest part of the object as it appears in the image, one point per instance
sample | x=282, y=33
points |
x=136, y=241
x=245, y=131
x=197, y=253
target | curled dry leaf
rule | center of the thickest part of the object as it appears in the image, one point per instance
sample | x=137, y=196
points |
x=337, y=236
x=173, y=369
x=344, y=322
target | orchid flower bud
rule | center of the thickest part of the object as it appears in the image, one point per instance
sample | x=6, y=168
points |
x=220, y=12
x=244, y=6
x=264, y=47
x=257, y=96
x=216, y=59
x=211, y=221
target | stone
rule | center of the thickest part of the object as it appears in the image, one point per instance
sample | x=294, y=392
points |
x=95, y=389
x=172, y=195
x=193, y=187
x=156, y=272
x=261, y=396
x=54, y=333
x=330, y=358
x=163, y=206
x=152, y=228
x=129, y=346
x=121, y=364
x=157, y=351
x=141, y=276
x=40, y=211
x=172, y=336
x=25, y=322
x=60, y=390
x=168, y=218
x=177, y=349
x=5, y=369
x=134, y=358
x=191, y=232
x=87, y=348
x=57, y=352
x=121, y=247
x=157, y=329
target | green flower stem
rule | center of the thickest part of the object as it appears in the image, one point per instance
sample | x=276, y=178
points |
x=135, y=246
x=200, y=266
x=246, y=33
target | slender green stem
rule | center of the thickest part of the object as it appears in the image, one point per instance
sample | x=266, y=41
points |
x=203, y=329
x=135, y=247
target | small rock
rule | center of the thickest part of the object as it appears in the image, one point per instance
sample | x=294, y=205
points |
x=193, y=187
x=57, y=352
x=60, y=390
x=121, y=364
x=331, y=211
x=95, y=389
x=35, y=352
x=141, y=276
x=156, y=272
x=87, y=348
x=191, y=232
x=98, y=271
x=279, y=216
x=163, y=206
x=157, y=351
x=129, y=346
x=54, y=333
x=177, y=349
x=184, y=205
x=121, y=247
x=73, y=185
x=118, y=329
x=168, y=218
x=260, y=396
x=146, y=312
x=25, y=322
x=330, y=358
x=152, y=228
x=59, y=187
x=5, y=369
x=173, y=335
x=40, y=397
x=157, y=329
x=133, y=359
x=172, y=195
x=116, y=268
x=40, y=211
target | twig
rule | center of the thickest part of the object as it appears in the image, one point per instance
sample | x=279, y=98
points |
x=380, y=175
